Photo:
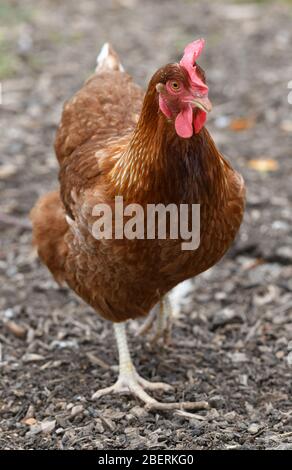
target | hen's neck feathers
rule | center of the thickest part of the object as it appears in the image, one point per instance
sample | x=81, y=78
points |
x=159, y=166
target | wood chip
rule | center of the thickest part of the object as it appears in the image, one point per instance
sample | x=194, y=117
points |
x=184, y=405
x=7, y=170
x=30, y=412
x=34, y=429
x=139, y=412
x=280, y=354
x=48, y=426
x=253, y=428
x=97, y=361
x=17, y=330
x=286, y=126
x=238, y=357
x=31, y=357
x=76, y=410
x=188, y=415
x=108, y=423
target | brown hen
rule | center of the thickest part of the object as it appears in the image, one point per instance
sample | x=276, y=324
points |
x=112, y=143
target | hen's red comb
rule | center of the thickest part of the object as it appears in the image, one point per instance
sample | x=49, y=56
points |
x=191, y=53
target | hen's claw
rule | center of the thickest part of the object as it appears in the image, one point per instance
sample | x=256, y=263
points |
x=153, y=385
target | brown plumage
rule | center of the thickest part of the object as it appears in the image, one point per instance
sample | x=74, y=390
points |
x=111, y=143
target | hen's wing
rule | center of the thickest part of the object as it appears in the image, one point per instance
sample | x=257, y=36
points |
x=106, y=107
x=236, y=203
x=104, y=112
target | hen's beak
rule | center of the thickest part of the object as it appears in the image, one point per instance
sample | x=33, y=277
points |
x=202, y=103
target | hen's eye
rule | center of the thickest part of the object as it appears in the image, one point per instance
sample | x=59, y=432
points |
x=175, y=86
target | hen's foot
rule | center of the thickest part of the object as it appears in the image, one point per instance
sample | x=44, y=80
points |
x=161, y=316
x=136, y=385
x=129, y=381
x=132, y=383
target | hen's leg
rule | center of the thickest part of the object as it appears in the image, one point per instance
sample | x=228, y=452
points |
x=161, y=314
x=129, y=381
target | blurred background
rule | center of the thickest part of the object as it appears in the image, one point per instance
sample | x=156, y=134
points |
x=232, y=340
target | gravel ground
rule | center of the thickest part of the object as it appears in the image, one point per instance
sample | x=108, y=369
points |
x=232, y=338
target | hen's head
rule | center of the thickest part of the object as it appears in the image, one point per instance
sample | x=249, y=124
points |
x=183, y=93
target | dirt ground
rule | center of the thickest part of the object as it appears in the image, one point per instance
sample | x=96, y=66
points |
x=232, y=339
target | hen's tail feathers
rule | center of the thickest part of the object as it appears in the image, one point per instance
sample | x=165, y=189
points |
x=108, y=59
x=49, y=229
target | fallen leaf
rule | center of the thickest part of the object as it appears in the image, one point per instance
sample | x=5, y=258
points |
x=242, y=124
x=263, y=165
x=29, y=421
